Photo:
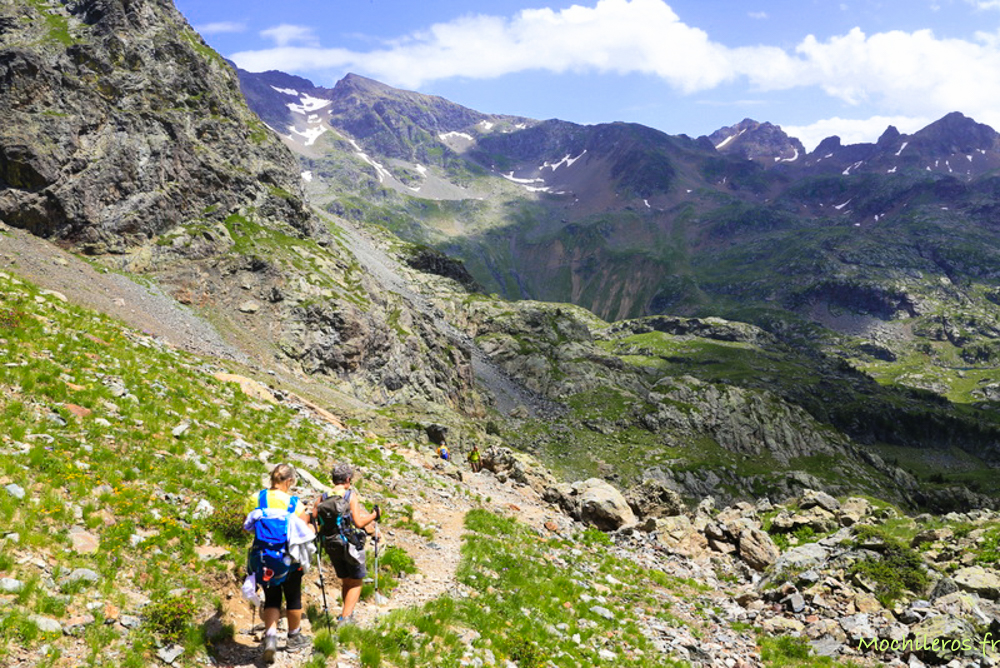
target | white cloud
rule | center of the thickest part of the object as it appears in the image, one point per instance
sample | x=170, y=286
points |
x=853, y=131
x=286, y=34
x=613, y=36
x=757, y=15
x=985, y=4
x=220, y=27
x=896, y=73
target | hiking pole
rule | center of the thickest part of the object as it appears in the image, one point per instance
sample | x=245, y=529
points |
x=322, y=586
x=377, y=594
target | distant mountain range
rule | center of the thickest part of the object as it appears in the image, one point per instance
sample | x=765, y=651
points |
x=629, y=221
x=769, y=319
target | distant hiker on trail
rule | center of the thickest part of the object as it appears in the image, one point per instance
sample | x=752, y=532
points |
x=282, y=545
x=442, y=452
x=475, y=459
x=341, y=519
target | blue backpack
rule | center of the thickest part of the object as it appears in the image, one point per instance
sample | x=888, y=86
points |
x=269, y=559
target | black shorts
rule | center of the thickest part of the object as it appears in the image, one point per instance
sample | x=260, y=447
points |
x=292, y=588
x=346, y=567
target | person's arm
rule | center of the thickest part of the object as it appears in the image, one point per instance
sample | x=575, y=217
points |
x=361, y=517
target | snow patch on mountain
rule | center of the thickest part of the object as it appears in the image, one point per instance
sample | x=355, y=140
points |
x=450, y=135
x=729, y=139
x=309, y=134
x=287, y=91
x=308, y=104
x=382, y=172
x=567, y=161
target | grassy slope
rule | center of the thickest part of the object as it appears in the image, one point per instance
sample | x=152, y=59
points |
x=121, y=473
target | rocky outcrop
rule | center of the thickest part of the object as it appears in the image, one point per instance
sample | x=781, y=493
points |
x=508, y=464
x=594, y=502
x=706, y=328
x=653, y=498
x=120, y=123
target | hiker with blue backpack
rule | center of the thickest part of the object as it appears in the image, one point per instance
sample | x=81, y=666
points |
x=283, y=545
x=341, y=519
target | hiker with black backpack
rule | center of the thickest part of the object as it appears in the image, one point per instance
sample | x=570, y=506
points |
x=272, y=560
x=341, y=519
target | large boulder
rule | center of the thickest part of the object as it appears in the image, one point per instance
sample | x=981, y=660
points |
x=652, y=498
x=603, y=506
x=943, y=638
x=679, y=535
x=593, y=502
x=519, y=467
x=756, y=548
x=812, y=498
x=978, y=580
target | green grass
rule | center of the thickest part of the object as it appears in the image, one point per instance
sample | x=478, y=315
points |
x=518, y=597
x=789, y=652
x=56, y=24
x=897, y=568
x=120, y=472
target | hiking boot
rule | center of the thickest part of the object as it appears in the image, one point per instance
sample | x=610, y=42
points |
x=345, y=621
x=298, y=641
x=270, y=648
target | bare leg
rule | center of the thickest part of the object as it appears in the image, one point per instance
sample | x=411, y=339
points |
x=270, y=616
x=351, y=591
x=294, y=619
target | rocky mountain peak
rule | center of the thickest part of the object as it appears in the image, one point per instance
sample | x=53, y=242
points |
x=890, y=135
x=761, y=142
x=957, y=133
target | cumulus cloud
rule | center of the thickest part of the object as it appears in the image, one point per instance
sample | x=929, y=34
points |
x=613, y=36
x=906, y=74
x=287, y=34
x=757, y=15
x=853, y=131
x=220, y=27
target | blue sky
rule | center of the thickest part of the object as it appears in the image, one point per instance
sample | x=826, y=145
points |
x=815, y=67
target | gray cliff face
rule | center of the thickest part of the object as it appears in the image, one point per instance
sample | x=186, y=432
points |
x=119, y=123
x=125, y=134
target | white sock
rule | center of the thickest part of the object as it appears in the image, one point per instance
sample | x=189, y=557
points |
x=273, y=631
x=294, y=633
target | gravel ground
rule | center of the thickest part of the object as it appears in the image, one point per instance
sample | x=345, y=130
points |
x=144, y=307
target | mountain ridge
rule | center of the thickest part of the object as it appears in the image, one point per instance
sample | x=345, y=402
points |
x=319, y=311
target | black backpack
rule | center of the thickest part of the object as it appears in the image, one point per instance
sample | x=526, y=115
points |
x=337, y=531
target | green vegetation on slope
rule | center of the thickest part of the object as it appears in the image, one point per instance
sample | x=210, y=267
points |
x=110, y=433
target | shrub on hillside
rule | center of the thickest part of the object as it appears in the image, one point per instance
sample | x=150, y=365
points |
x=170, y=617
x=226, y=523
x=896, y=569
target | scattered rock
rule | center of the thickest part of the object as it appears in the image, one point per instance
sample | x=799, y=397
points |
x=10, y=585
x=170, y=654
x=83, y=541
x=978, y=580
x=46, y=624
x=757, y=549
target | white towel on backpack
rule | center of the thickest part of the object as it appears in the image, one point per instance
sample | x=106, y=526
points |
x=301, y=541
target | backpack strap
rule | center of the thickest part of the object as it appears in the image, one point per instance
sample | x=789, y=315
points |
x=294, y=501
x=262, y=499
